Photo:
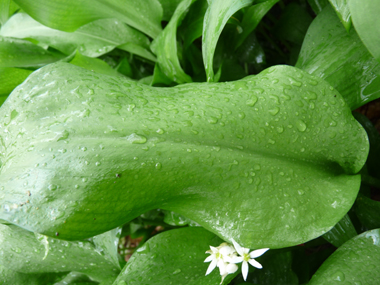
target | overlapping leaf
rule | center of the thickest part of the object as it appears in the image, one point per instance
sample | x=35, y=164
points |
x=329, y=52
x=175, y=257
x=217, y=14
x=69, y=15
x=30, y=253
x=263, y=160
x=355, y=262
x=343, y=12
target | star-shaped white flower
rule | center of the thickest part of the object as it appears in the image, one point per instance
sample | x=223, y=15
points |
x=247, y=257
x=218, y=257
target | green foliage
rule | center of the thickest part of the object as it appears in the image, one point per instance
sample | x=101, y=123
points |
x=137, y=135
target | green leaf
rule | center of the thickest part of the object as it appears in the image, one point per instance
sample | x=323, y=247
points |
x=277, y=269
x=26, y=252
x=165, y=47
x=9, y=79
x=93, y=39
x=252, y=18
x=10, y=277
x=368, y=212
x=93, y=64
x=169, y=7
x=257, y=160
x=343, y=11
x=367, y=24
x=217, y=15
x=341, y=232
x=318, y=5
x=175, y=257
x=22, y=53
x=293, y=24
x=329, y=52
x=69, y=15
x=355, y=262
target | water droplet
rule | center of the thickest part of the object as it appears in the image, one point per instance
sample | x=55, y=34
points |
x=84, y=148
x=252, y=101
x=160, y=131
x=97, y=163
x=301, y=126
x=338, y=276
x=212, y=120
x=274, y=111
x=301, y=192
x=177, y=271
x=241, y=115
x=280, y=129
x=158, y=166
x=136, y=139
x=52, y=187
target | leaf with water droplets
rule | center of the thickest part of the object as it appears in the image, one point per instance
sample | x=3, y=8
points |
x=174, y=257
x=274, y=165
x=355, y=262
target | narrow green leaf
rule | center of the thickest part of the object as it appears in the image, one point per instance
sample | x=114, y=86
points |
x=93, y=64
x=165, y=46
x=4, y=11
x=176, y=257
x=10, y=277
x=252, y=18
x=192, y=26
x=168, y=7
x=252, y=160
x=69, y=15
x=318, y=5
x=93, y=39
x=26, y=252
x=365, y=16
x=138, y=50
x=355, y=262
x=343, y=11
x=9, y=79
x=368, y=212
x=217, y=15
x=341, y=232
x=107, y=245
x=329, y=52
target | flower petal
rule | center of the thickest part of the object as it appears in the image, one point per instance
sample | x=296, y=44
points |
x=211, y=267
x=244, y=270
x=222, y=267
x=255, y=263
x=258, y=252
x=209, y=258
x=231, y=268
x=237, y=259
x=238, y=248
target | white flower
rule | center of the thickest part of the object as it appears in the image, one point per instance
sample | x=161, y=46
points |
x=247, y=257
x=220, y=257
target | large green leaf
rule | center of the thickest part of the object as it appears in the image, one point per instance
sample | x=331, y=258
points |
x=69, y=15
x=217, y=15
x=264, y=160
x=168, y=7
x=22, y=53
x=165, y=46
x=172, y=257
x=341, y=59
x=93, y=39
x=343, y=12
x=355, y=262
x=365, y=16
x=26, y=252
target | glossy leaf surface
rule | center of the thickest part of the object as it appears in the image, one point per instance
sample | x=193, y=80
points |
x=165, y=47
x=217, y=14
x=329, y=52
x=272, y=146
x=355, y=262
x=26, y=252
x=175, y=257
x=343, y=12
x=365, y=16
x=93, y=39
x=69, y=15
x=22, y=53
